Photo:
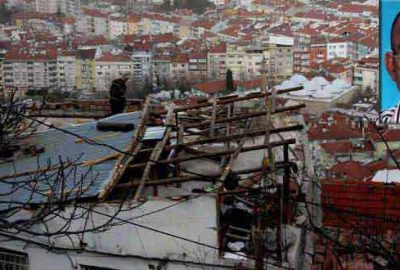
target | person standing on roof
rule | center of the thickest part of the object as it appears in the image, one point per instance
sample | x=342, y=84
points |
x=117, y=94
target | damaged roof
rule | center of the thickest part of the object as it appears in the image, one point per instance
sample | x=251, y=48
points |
x=62, y=147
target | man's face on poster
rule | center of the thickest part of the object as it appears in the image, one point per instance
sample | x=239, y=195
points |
x=392, y=59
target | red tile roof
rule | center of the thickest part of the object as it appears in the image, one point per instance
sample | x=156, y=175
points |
x=353, y=170
x=26, y=54
x=389, y=135
x=211, y=87
x=354, y=8
x=308, y=31
x=94, y=13
x=232, y=31
x=109, y=57
x=204, y=24
x=347, y=147
x=180, y=58
x=251, y=84
x=338, y=127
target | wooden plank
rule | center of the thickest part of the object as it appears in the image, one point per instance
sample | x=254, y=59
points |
x=228, y=168
x=157, y=151
x=125, y=159
x=213, y=117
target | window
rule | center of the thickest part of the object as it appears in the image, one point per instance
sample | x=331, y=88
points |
x=87, y=267
x=12, y=260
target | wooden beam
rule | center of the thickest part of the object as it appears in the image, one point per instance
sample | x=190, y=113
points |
x=245, y=116
x=228, y=99
x=124, y=160
x=216, y=153
x=210, y=178
x=213, y=117
x=231, y=137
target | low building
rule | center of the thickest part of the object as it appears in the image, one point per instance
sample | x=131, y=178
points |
x=319, y=95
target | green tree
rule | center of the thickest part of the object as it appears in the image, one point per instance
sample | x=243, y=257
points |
x=197, y=6
x=5, y=14
x=229, y=81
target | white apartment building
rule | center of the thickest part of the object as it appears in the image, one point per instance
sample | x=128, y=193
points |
x=93, y=22
x=160, y=68
x=2, y=54
x=236, y=60
x=46, y=6
x=118, y=26
x=339, y=47
x=66, y=67
x=141, y=66
x=71, y=7
x=254, y=58
x=219, y=2
x=30, y=69
x=366, y=73
x=110, y=67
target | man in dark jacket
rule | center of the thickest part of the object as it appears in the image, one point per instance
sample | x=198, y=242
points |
x=117, y=94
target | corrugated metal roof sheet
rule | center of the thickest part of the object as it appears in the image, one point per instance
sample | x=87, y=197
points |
x=61, y=146
x=154, y=133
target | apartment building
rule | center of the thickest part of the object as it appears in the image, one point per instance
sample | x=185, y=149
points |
x=156, y=24
x=301, y=50
x=66, y=68
x=133, y=24
x=279, y=61
x=141, y=65
x=46, y=6
x=93, y=22
x=117, y=26
x=236, y=59
x=340, y=47
x=366, y=73
x=71, y=7
x=254, y=58
x=318, y=51
x=2, y=54
x=109, y=67
x=85, y=70
x=30, y=68
x=161, y=68
x=180, y=68
x=216, y=62
x=198, y=66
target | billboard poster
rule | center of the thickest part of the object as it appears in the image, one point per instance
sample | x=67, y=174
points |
x=390, y=61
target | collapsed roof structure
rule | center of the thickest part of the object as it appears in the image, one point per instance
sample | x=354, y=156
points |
x=222, y=174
